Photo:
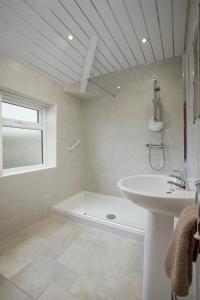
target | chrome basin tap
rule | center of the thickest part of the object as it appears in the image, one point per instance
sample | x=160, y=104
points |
x=182, y=180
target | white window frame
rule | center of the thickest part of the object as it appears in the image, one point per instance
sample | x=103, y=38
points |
x=14, y=123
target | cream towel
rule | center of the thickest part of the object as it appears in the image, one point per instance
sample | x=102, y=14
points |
x=183, y=250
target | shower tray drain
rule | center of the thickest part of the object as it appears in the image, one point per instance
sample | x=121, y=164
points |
x=111, y=216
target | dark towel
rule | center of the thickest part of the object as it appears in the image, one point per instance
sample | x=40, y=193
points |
x=183, y=250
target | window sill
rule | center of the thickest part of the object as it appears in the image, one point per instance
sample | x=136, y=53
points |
x=22, y=170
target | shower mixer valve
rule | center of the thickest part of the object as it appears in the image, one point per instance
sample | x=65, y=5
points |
x=161, y=145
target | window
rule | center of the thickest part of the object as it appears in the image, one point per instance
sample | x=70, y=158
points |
x=23, y=134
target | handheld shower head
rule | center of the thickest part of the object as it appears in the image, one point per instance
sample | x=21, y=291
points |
x=156, y=124
x=156, y=87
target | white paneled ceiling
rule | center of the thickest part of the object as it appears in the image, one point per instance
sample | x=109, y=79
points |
x=35, y=32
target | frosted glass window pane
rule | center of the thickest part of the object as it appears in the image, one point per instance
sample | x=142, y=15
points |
x=21, y=147
x=16, y=112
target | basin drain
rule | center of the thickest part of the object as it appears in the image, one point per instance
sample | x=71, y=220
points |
x=111, y=216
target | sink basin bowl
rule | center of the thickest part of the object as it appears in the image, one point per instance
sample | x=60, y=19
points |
x=152, y=192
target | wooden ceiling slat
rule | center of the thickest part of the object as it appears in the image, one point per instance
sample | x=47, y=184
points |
x=180, y=13
x=150, y=16
x=136, y=18
x=39, y=30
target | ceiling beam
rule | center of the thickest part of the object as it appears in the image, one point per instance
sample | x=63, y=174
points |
x=88, y=63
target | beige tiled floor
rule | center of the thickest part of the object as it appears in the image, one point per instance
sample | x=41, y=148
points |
x=60, y=260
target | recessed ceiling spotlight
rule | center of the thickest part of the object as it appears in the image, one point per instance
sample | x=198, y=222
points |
x=70, y=37
x=119, y=87
x=144, y=40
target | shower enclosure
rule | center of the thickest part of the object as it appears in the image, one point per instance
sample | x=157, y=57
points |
x=115, y=131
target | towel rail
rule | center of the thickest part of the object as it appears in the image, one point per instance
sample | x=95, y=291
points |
x=74, y=145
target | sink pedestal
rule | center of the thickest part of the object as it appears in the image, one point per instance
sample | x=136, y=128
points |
x=156, y=285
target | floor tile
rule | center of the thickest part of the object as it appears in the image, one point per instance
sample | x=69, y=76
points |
x=108, y=288
x=131, y=287
x=55, y=271
x=136, y=261
x=63, y=238
x=13, y=240
x=115, y=260
x=15, y=259
x=31, y=281
x=56, y=259
x=47, y=226
x=55, y=292
x=84, y=286
x=2, y=279
x=81, y=253
x=10, y=292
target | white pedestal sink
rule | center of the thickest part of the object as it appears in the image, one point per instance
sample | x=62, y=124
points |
x=152, y=192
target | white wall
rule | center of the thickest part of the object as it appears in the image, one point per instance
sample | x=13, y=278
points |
x=193, y=163
x=116, y=129
x=27, y=197
x=192, y=129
